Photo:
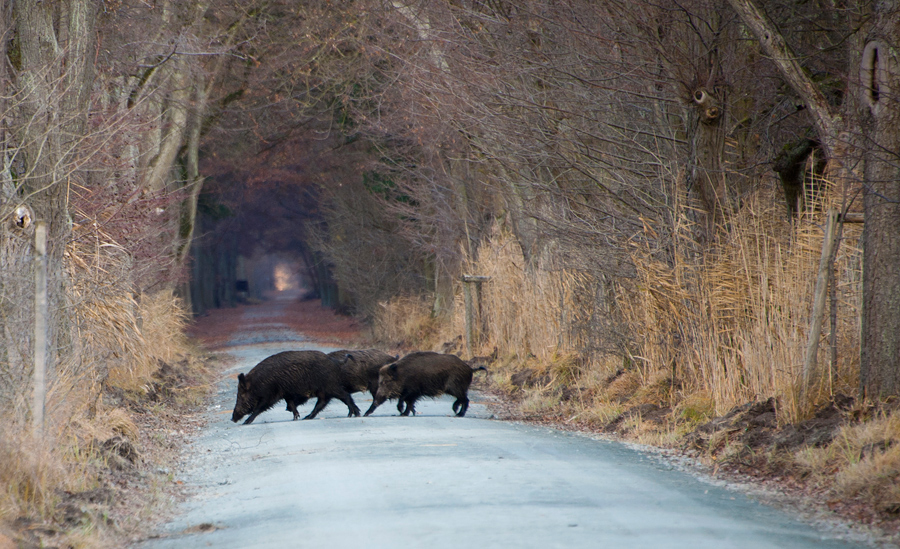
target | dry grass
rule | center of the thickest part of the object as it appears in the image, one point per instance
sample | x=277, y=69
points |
x=694, y=409
x=713, y=330
x=30, y=472
x=406, y=321
x=161, y=338
x=119, y=341
x=735, y=324
x=862, y=462
x=524, y=309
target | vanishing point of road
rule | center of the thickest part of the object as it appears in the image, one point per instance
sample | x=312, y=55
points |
x=435, y=481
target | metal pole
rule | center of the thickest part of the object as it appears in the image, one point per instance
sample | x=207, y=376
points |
x=41, y=312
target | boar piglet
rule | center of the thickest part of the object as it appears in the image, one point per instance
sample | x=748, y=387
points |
x=294, y=376
x=358, y=370
x=424, y=374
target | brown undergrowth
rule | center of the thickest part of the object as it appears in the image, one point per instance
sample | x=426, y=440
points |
x=116, y=415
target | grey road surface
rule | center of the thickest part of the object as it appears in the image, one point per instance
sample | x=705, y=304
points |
x=435, y=481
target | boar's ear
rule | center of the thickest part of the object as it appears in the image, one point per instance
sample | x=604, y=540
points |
x=242, y=380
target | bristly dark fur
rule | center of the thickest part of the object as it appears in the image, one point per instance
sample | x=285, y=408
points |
x=358, y=370
x=424, y=374
x=295, y=376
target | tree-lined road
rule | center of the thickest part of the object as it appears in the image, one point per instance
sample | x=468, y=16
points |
x=435, y=480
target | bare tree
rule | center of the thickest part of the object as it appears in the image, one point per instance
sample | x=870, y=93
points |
x=47, y=116
x=875, y=133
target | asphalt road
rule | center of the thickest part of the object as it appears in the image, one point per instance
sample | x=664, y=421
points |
x=436, y=481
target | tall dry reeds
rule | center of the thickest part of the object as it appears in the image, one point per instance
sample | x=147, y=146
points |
x=524, y=310
x=734, y=324
x=405, y=320
x=713, y=330
x=30, y=472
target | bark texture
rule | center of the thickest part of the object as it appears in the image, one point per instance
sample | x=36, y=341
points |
x=52, y=84
x=880, y=122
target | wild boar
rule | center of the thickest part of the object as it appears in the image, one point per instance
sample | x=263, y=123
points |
x=424, y=374
x=294, y=376
x=358, y=371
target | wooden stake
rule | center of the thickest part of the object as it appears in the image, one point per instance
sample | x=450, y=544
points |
x=41, y=312
x=474, y=318
x=818, y=311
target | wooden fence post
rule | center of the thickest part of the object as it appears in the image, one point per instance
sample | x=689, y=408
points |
x=823, y=278
x=474, y=317
x=818, y=310
x=41, y=312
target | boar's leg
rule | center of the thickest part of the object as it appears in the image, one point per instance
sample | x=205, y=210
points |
x=463, y=404
x=255, y=413
x=321, y=403
x=292, y=407
x=353, y=409
x=376, y=402
x=410, y=404
x=298, y=401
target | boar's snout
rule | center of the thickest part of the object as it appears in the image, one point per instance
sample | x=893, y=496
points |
x=243, y=405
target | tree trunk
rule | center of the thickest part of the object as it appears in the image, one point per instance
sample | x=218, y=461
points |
x=880, y=124
x=187, y=215
x=708, y=149
x=54, y=80
x=775, y=47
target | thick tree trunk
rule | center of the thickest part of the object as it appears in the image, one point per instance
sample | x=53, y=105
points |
x=187, y=215
x=54, y=80
x=708, y=150
x=880, y=122
x=175, y=114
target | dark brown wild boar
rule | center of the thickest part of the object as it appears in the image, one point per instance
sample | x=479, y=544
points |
x=424, y=374
x=358, y=371
x=294, y=376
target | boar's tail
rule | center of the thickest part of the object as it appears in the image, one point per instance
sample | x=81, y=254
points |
x=479, y=368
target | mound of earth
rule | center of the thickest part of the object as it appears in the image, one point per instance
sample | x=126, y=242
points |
x=753, y=427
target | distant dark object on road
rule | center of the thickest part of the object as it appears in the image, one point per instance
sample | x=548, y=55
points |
x=295, y=376
x=424, y=374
